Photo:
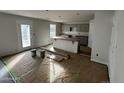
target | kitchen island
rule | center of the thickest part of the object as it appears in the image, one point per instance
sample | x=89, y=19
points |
x=66, y=43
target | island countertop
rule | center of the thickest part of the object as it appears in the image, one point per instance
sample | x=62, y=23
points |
x=65, y=38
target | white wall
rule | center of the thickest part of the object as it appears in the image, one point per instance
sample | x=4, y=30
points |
x=101, y=36
x=42, y=34
x=117, y=65
x=8, y=32
x=58, y=29
x=91, y=31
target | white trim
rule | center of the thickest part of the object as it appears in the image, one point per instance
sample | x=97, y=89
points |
x=98, y=61
x=105, y=63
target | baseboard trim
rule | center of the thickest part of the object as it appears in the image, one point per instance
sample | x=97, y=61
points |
x=10, y=54
x=98, y=61
x=105, y=63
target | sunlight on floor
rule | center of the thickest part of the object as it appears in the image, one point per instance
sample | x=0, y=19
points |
x=55, y=71
x=52, y=56
x=15, y=61
x=52, y=49
x=3, y=72
x=58, y=69
x=51, y=72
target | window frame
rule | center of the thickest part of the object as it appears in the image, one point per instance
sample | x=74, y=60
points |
x=51, y=36
x=25, y=46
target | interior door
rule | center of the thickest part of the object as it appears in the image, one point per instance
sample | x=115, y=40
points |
x=25, y=34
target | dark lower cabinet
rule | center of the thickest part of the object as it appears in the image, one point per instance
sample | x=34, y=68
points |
x=83, y=40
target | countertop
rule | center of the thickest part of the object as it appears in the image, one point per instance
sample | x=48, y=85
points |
x=65, y=38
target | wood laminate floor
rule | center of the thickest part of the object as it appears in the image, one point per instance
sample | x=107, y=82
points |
x=77, y=69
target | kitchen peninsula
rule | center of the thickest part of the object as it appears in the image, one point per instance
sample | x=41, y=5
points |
x=66, y=43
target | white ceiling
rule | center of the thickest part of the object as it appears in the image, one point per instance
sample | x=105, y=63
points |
x=64, y=16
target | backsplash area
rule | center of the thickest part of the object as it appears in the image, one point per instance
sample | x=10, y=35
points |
x=75, y=27
x=75, y=33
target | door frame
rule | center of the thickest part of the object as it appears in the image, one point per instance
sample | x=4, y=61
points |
x=113, y=47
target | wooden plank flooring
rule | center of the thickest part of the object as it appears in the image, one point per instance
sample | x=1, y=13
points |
x=77, y=69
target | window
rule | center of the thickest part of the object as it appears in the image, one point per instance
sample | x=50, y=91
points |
x=52, y=30
x=25, y=35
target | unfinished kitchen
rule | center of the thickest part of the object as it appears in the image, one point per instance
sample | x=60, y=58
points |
x=49, y=46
